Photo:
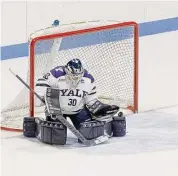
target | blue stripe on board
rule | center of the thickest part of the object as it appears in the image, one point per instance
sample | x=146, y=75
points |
x=145, y=29
x=96, y=38
x=156, y=27
x=14, y=51
x=88, y=39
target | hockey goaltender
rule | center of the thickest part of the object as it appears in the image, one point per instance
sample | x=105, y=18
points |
x=70, y=91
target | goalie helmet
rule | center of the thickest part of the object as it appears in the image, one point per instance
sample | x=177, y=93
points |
x=74, y=71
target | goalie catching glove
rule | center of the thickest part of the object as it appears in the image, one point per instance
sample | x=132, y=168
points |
x=98, y=108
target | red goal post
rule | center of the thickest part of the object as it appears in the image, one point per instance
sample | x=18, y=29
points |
x=83, y=31
x=107, y=52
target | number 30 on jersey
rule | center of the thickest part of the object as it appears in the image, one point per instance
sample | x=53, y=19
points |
x=72, y=102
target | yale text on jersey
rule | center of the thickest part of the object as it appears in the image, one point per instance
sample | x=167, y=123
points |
x=73, y=92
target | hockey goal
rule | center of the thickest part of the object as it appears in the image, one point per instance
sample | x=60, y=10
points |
x=107, y=49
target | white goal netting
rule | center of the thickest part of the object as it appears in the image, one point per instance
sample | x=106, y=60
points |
x=107, y=53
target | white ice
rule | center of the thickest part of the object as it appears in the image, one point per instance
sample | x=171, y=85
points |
x=150, y=147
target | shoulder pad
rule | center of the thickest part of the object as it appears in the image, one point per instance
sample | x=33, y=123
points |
x=58, y=71
x=87, y=75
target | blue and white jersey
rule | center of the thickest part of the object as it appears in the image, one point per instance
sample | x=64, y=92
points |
x=72, y=100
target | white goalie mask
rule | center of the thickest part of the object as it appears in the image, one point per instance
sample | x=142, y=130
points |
x=74, y=71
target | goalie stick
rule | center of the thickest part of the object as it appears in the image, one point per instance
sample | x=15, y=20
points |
x=85, y=141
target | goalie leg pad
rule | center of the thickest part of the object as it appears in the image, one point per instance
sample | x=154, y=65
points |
x=51, y=132
x=91, y=129
x=119, y=126
x=108, y=124
x=29, y=127
x=108, y=128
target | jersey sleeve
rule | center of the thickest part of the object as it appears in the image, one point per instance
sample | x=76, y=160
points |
x=49, y=79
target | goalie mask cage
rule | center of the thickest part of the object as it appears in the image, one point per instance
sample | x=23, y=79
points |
x=108, y=50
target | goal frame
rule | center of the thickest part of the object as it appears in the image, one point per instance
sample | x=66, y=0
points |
x=84, y=31
x=77, y=32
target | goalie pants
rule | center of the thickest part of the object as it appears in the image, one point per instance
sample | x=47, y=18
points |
x=80, y=117
x=77, y=119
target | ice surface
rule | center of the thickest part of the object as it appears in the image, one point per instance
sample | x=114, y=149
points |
x=150, y=147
